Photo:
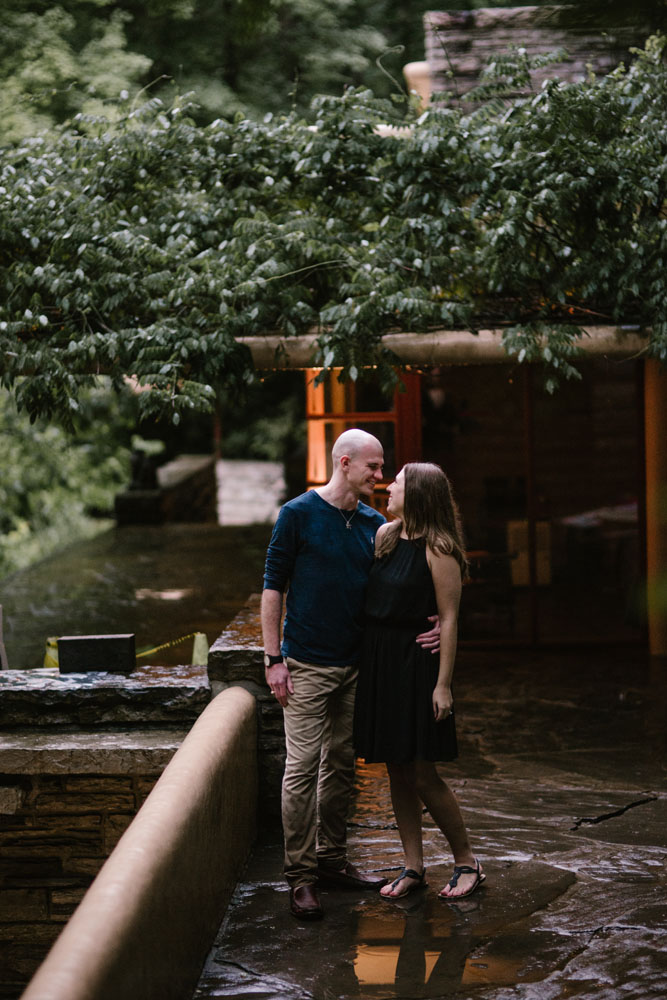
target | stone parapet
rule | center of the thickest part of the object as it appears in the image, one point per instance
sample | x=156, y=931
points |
x=88, y=751
x=150, y=695
x=186, y=491
x=79, y=754
x=237, y=654
x=66, y=798
x=236, y=658
x=149, y=919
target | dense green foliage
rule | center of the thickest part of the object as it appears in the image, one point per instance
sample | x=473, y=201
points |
x=141, y=239
x=59, y=59
x=252, y=56
x=146, y=246
x=58, y=487
x=55, y=488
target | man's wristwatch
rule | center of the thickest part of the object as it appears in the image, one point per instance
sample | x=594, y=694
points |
x=272, y=658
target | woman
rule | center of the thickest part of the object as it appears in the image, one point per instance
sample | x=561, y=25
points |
x=404, y=708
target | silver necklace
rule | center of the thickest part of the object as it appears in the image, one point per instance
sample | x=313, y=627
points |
x=348, y=520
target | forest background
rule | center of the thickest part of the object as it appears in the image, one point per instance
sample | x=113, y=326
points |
x=238, y=60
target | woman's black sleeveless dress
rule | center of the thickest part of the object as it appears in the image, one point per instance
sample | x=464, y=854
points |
x=393, y=718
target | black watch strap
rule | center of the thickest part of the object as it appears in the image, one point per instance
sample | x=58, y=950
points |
x=272, y=658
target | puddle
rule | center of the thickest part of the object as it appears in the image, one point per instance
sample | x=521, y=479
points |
x=160, y=582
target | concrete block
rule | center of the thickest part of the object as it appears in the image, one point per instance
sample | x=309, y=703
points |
x=83, y=653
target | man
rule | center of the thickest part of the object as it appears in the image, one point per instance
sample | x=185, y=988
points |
x=321, y=552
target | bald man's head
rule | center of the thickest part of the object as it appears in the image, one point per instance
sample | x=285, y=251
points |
x=352, y=443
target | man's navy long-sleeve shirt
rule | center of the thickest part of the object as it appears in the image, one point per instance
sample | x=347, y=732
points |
x=324, y=567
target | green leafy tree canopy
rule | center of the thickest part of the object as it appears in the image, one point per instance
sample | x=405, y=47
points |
x=59, y=59
x=145, y=246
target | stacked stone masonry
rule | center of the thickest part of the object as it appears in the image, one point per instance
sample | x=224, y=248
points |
x=56, y=831
x=459, y=44
x=69, y=788
x=236, y=657
x=54, y=842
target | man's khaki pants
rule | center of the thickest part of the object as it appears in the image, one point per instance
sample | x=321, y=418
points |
x=319, y=771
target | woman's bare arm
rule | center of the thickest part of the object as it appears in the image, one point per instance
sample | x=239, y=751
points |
x=446, y=575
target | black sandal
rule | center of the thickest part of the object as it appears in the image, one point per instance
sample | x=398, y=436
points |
x=463, y=870
x=407, y=873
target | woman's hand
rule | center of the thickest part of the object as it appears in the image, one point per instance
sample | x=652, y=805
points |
x=442, y=701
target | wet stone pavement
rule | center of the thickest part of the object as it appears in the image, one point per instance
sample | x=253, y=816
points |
x=561, y=776
x=159, y=582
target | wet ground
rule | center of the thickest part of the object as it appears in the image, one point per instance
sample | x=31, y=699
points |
x=159, y=582
x=562, y=779
x=561, y=775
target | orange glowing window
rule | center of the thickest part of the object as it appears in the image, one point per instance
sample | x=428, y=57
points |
x=332, y=407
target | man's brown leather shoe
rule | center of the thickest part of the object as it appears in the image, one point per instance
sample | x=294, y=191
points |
x=304, y=902
x=349, y=877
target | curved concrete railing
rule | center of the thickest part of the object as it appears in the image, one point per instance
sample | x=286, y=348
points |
x=146, y=924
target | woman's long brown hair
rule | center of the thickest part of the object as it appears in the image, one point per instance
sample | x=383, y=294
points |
x=429, y=512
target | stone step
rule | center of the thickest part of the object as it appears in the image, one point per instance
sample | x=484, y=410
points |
x=249, y=492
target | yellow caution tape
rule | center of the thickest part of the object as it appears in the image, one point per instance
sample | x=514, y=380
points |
x=199, y=649
x=51, y=653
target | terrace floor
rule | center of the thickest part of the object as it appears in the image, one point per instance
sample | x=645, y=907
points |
x=561, y=776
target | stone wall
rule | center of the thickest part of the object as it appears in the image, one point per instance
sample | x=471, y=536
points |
x=460, y=43
x=236, y=658
x=186, y=491
x=146, y=924
x=56, y=831
x=79, y=754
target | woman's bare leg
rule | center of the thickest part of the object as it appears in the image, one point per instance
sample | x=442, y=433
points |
x=441, y=802
x=408, y=811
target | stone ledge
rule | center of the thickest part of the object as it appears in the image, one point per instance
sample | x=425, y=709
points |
x=149, y=695
x=236, y=658
x=237, y=654
x=186, y=491
x=128, y=752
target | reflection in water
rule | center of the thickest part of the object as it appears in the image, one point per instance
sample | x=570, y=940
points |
x=161, y=595
x=375, y=965
x=433, y=950
x=420, y=951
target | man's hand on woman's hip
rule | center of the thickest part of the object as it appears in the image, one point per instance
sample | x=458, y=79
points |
x=431, y=639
